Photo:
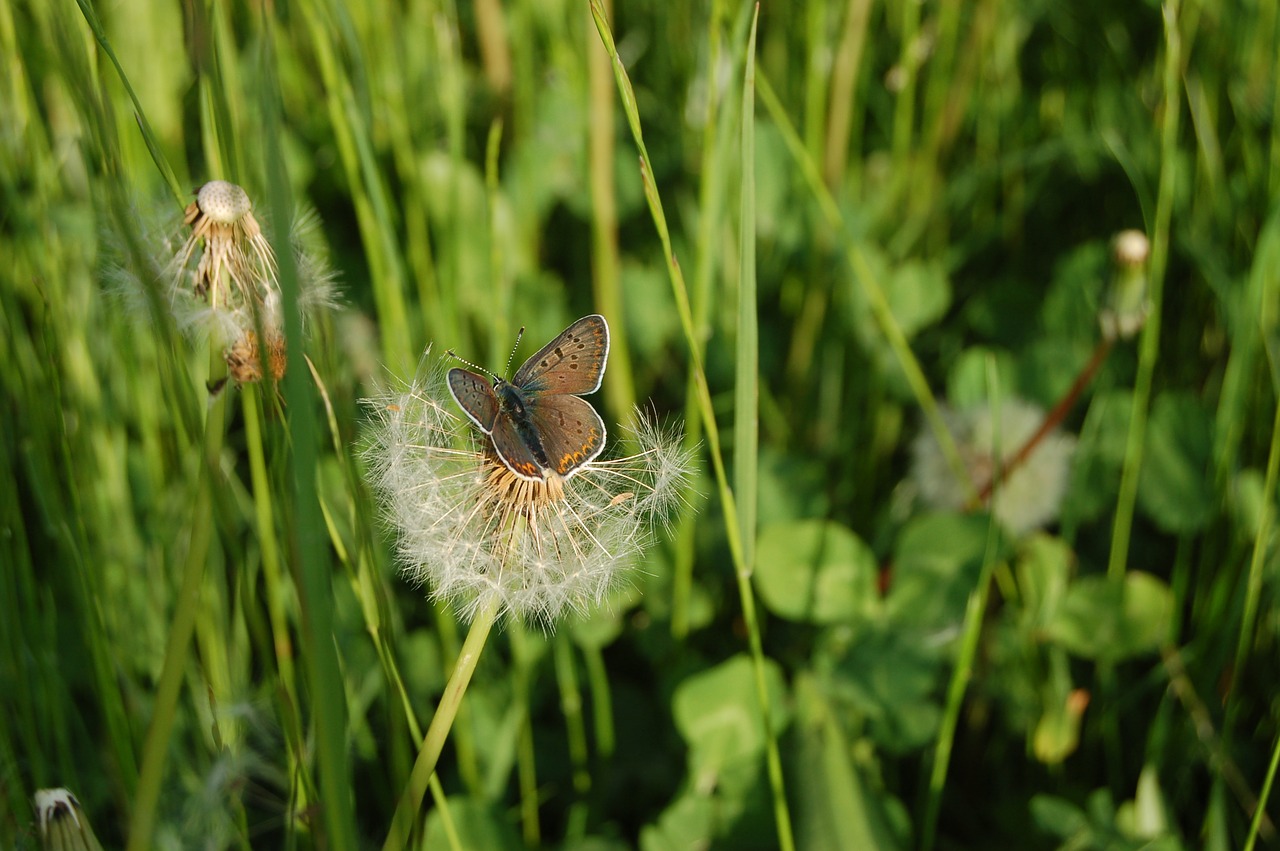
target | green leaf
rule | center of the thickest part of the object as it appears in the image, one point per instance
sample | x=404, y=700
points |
x=967, y=381
x=935, y=566
x=1043, y=572
x=1095, y=470
x=1057, y=816
x=1100, y=619
x=716, y=713
x=687, y=823
x=1176, y=489
x=919, y=294
x=888, y=677
x=816, y=571
x=477, y=824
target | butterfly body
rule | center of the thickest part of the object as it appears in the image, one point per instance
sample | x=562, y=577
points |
x=537, y=423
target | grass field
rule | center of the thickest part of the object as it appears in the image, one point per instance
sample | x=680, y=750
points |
x=937, y=509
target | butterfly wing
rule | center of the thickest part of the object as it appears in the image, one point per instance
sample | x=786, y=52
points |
x=514, y=451
x=571, y=363
x=570, y=430
x=474, y=394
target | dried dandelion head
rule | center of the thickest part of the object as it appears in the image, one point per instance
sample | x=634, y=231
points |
x=236, y=264
x=63, y=824
x=244, y=358
x=220, y=279
x=475, y=533
x=1127, y=305
x=1029, y=496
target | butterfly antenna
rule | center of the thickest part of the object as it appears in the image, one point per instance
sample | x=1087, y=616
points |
x=512, y=356
x=477, y=367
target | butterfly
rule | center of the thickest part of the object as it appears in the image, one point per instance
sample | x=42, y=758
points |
x=537, y=423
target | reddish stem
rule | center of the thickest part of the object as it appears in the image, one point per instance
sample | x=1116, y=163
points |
x=1051, y=420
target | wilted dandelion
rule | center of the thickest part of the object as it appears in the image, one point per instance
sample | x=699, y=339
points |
x=477, y=534
x=1127, y=305
x=221, y=279
x=1028, y=496
x=235, y=264
x=63, y=825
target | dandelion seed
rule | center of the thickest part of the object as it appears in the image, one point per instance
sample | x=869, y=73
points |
x=476, y=533
x=1029, y=497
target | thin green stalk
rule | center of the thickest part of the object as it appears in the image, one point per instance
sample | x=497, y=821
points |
x=747, y=428
x=974, y=614
x=387, y=657
x=148, y=136
x=499, y=280
x=1257, y=561
x=527, y=777
x=943, y=81
x=1149, y=351
x=425, y=765
x=601, y=700
x=526, y=757
x=222, y=146
x=746, y=394
x=713, y=176
x=727, y=500
x=464, y=739
x=156, y=746
x=841, y=114
x=817, y=76
x=436, y=309
x=1273, y=172
x=1260, y=811
x=576, y=730
x=366, y=587
x=451, y=89
x=606, y=282
x=265, y=517
x=312, y=568
x=904, y=105
x=871, y=288
x=368, y=190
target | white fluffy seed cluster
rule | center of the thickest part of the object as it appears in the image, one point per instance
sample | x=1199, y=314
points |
x=1029, y=497
x=472, y=531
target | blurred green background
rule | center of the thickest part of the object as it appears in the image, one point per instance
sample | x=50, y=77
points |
x=924, y=238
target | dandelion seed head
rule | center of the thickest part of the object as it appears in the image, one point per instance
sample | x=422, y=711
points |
x=223, y=202
x=472, y=531
x=1029, y=497
x=1131, y=247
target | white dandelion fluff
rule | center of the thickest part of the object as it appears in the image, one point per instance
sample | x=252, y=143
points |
x=477, y=534
x=1027, y=497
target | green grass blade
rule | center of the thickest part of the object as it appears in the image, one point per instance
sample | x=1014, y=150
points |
x=1149, y=351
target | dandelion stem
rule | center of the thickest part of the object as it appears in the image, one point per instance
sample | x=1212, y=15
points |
x=425, y=765
x=1051, y=421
